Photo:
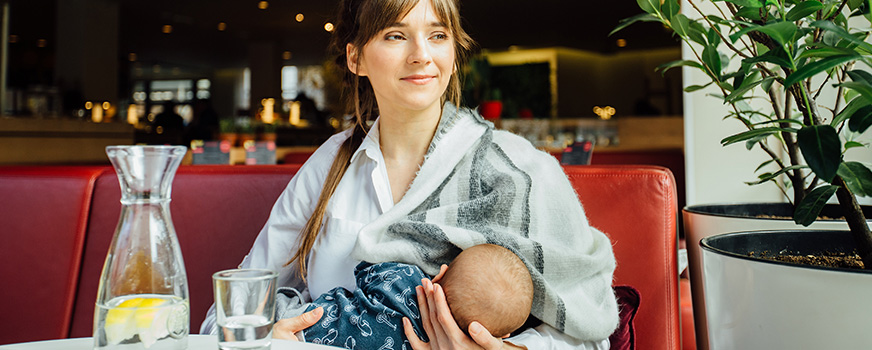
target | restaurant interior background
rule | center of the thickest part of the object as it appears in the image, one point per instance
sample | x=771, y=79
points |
x=81, y=74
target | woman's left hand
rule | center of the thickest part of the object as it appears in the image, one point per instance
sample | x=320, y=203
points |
x=439, y=324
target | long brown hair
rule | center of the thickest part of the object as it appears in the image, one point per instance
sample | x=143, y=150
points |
x=357, y=22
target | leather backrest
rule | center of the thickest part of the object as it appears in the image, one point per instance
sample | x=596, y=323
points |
x=217, y=212
x=636, y=207
x=43, y=219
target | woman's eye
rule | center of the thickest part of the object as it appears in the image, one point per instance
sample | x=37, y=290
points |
x=440, y=36
x=393, y=37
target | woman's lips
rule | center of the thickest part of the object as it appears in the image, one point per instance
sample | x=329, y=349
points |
x=419, y=79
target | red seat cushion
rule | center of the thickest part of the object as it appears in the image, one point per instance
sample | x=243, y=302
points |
x=43, y=218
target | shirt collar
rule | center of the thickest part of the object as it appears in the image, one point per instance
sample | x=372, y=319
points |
x=370, y=144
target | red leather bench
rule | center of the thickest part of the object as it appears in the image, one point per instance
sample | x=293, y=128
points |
x=43, y=221
x=218, y=211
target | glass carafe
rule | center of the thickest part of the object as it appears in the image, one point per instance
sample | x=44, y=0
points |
x=142, y=300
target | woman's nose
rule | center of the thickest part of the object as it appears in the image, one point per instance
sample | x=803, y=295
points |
x=420, y=52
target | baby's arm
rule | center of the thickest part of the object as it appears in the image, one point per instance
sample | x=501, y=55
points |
x=289, y=303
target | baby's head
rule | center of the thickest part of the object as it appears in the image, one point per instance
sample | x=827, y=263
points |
x=489, y=284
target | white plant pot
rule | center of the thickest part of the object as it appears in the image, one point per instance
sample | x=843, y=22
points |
x=760, y=304
x=703, y=221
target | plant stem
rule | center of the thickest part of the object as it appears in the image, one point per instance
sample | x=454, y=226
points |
x=856, y=221
x=791, y=147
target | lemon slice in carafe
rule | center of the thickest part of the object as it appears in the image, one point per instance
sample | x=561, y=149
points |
x=146, y=317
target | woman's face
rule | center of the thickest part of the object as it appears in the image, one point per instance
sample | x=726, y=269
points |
x=410, y=62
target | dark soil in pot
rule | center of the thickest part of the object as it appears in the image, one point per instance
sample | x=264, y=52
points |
x=824, y=249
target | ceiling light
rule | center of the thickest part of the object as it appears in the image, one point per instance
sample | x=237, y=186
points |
x=286, y=55
x=41, y=43
x=13, y=39
x=299, y=17
x=621, y=43
x=328, y=27
x=222, y=26
x=131, y=57
x=262, y=5
x=167, y=29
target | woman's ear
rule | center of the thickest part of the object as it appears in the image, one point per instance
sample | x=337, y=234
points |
x=351, y=56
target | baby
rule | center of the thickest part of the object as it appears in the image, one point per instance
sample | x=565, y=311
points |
x=485, y=283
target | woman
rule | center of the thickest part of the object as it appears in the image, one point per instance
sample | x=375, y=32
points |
x=427, y=180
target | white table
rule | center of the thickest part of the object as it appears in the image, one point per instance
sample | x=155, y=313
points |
x=195, y=342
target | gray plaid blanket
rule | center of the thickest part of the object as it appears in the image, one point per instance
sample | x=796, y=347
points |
x=480, y=185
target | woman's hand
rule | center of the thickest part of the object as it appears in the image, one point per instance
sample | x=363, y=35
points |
x=285, y=329
x=439, y=324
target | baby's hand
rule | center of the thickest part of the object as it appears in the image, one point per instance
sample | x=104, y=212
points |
x=287, y=328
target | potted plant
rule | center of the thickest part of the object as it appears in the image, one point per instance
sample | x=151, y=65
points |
x=246, y=133
x=268, y=131
x=796, y=75
x=227, y=131
x=492, y=105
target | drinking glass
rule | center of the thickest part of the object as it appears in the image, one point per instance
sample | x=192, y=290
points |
x=245, y=308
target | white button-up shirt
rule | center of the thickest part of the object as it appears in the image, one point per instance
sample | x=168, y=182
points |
x=363, y=194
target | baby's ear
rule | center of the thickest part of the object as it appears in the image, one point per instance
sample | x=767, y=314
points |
x=506, y=336
x=442, y=270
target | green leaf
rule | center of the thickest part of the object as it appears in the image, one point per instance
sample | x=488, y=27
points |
x=827, y=51
x=714, y=39
x=712, y=60
x=670, y=8
x=804, y=9
x=770, y=176
x=697, y=33
x=816, y=67
x=864, y=89
x=854, y=4
x=749, y=145
x=745, y=87
x=681, y=25
x=860, y=76
x=693, y=88
x=679, y=63
x=624, y=23
x=770, y=57
x=752, y=13
x=650, y=6
x=849, y=110
x=853, y=144
x=779, y=121
x=861, y=119
x=822, y=149
x=747, y=135
x=735, y=36
x=781, y=32
x=857, y=177
x=807, y=211
x=770, y=161
x=746, y=3
x=842, y=34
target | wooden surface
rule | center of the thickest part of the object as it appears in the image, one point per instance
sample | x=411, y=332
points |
x=60, y=141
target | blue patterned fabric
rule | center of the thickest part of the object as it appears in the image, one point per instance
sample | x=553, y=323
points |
x=371, y=317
